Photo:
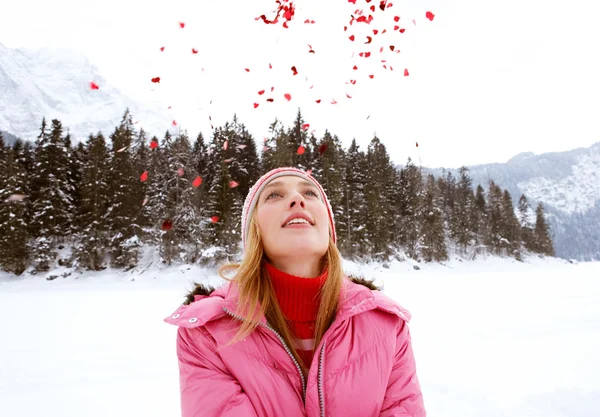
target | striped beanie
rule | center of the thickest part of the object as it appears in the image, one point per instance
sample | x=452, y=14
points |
x=257, y=188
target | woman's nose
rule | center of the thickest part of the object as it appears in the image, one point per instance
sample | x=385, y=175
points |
x=297, y=198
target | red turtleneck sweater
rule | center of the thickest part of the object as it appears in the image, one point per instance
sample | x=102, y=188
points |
x=299, y=303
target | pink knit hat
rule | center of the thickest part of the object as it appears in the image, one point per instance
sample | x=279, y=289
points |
x=257, y=188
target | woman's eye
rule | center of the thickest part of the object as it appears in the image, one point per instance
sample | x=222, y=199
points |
x=312, y=192
x=272, y=194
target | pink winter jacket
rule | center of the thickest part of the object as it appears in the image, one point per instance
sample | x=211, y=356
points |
x=363, y=367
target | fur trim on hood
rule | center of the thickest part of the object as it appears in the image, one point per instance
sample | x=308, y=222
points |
x=202, y=289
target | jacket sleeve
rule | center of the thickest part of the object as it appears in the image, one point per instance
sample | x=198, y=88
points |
x=207, y=388
x=403, y=397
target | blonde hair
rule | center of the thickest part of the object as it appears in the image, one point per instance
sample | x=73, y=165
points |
x=257, y=298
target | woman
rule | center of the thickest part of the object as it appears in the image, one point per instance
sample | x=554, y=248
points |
x=291, y=335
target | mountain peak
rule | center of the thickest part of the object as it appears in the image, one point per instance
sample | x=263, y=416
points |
x=54, y=82
x=520, y=157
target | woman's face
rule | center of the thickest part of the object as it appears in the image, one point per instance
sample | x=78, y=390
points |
x=289, y=197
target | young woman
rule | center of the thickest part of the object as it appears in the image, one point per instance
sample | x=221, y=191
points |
x=291, y=335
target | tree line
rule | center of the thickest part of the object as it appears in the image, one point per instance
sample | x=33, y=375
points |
x=101, y=202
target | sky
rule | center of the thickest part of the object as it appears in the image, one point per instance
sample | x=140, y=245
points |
x=487, y=80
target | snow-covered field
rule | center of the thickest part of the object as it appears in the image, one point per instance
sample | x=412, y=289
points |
x=492, y=338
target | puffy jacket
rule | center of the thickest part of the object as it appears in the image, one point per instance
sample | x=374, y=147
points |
x=363, y=367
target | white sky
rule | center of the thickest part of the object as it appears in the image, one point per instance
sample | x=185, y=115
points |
x=487, y=79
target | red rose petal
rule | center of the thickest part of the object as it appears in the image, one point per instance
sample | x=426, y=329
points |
x=375, y=31
x=94, y=86
x=306, y=126
x=180, y=172
x=182, y=25
x=351, y=37
x=261, y=92
x=225, y=145
x=429, y=16
x=214, y=219
x=396, y=18
x=318, y=101
x=174, y=123
x=197, y=181
x=255, y=105
x=287, y=96
x=194, y=51
x=294, y=70
x=167, y=225
x=144, y=176
x=406, y=73
x=322, y=148
x=162, y=48
x=233, y=184
x=300, y=150
x=153, y=144
x=155, y=80
x=371, y=76
x=402, y=30
x=247, y=69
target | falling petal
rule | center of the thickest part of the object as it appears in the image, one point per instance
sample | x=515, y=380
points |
x=153, y=144
x=122, y=149
x=145, y=201
x=255, y=105
x=406, y=73
x=429, y=16
x=174, y=123
x=247, y=69
x=15, y=197
x=197, y=181
x=94, y=86
x=241, y=146
x=233, y=184
x=214, y=219
x=287, y=96
x=396, y=18
x=225, y=145
x=318, y=101
x=194, y=51
x=144, y=176
x=306, y=126
x=167, y=225
x=351, y=37
x=156, y=80
x=162, y=49
x=300, y=150
x=182, y=25
x=294, y=70
x=261, y=92
x=322, y=148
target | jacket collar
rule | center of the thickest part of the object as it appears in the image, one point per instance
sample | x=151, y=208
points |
x=356, y=297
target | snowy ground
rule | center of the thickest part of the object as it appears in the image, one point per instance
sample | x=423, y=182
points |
x=492, y=338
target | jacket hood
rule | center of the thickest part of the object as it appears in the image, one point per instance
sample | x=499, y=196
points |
x=206, y=303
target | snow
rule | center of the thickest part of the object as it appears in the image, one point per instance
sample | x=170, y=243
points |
x=493, y=337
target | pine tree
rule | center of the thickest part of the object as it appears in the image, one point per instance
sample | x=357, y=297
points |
x=269, y=151
x=223, y=202
x=380, y=178
x=124, y=238
x=481, y=220
x=351, y=227
x=298, y=143
x=525, y=215
x=433, y=245
x=543, y=241
x=496, y=241
x=461, y=221
x=511, y=229
x=13, y=207
x=328, y=172
x=95, y=200
x=410, y=184
x=53, y=208
x=200, y=160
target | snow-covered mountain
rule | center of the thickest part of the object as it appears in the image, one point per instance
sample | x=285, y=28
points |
x=567, y=183
x=55, y=83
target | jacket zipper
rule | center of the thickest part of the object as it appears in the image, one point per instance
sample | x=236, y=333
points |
x=320, y=381
x=287, y=349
